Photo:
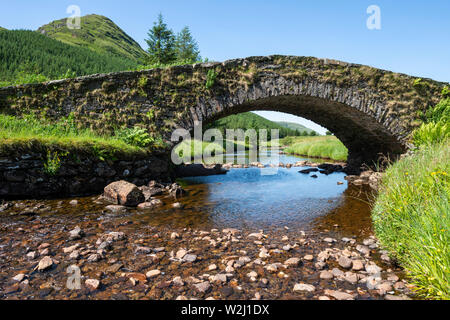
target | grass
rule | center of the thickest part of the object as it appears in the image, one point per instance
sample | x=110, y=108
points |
x=411, y=217
x=326, y=147
x=197, y=152
x=19, y=135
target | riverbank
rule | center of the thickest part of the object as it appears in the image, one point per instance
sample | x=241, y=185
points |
x=325, y=147
x=117, y=258
x=43, y=159
x=412, y=217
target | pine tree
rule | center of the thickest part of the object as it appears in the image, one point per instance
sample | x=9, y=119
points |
x=187, y=47
x=161, y=43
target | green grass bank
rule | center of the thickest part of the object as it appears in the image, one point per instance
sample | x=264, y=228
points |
x=411, y=217
x=411, y=213
x=325, y=147
x=19, y=135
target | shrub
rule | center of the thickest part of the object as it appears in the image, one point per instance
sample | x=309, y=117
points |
x=446, y=92
x=432, y=132
x=135, y=136
x=437, y=125
x=52, y=163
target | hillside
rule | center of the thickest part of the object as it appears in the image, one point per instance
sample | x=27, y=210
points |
x=250, y=120
x=1, y=29
x=30, y=53
x=97, y=33
x=294, y=126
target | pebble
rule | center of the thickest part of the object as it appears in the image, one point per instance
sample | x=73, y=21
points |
x=74, y=255
x=351, y=277
x=326, y=275
x=202, y=287
x=180, y=254
x=153, y=273
x=292, y=262
x=384, y=287
x=357, y=265
x=177, y=205
x=372, y=282
x=178, y=281
x=212, y=267
x=372, y=268
x=304, y=287
x=116, y=208
x=345, y=262
x=337, y=273
x=363, y=249
x=45, y=263
x=76, y=234
x=71, y=249
x=19, y=277
x=32, y=255
x=221, y=278
x=339, y=295
x=190, y=258
x=258, y=236
x=308, y=257
x=92, y=284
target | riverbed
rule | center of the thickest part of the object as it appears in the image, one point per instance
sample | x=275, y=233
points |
x=254, y=233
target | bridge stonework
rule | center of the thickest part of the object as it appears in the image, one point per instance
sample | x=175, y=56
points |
x=371, y=111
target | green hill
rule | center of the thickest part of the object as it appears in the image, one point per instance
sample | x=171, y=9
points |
x=250, y=120
x=295, y=126
x=2, y=29
x=28, y=53
x=97, y=33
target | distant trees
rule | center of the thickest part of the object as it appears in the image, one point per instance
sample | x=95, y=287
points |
x=164, y=47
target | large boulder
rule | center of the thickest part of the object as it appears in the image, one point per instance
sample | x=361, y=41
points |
x=124, y=193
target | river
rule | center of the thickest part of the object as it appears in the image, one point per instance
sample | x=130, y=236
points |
x=263, y=217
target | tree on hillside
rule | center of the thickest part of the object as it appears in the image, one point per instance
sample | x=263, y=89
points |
x=187, y=47
x=161, y=43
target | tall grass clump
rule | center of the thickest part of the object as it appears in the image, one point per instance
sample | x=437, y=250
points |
x=318, y=147
x=411, y=217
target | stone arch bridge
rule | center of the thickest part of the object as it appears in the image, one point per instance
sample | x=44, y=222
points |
x=371, y=111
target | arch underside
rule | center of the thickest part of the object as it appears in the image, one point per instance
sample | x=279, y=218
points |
x=366, y=139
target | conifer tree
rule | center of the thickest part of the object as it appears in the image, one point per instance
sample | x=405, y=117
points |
x=161, y=43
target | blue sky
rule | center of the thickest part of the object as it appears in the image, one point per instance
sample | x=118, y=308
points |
x=414, y=36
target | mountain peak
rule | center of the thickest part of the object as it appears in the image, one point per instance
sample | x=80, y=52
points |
x=98, y=33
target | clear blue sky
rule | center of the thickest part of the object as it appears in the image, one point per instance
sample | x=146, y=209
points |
x=414, y=36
